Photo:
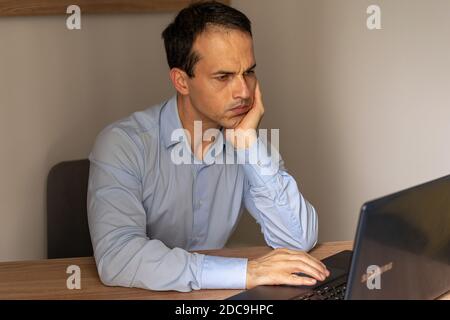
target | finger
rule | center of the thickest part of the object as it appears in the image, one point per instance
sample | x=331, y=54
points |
x=302, y=267
x=289, y=254
x=310, y=263
x=258, y=96
x=315, y=264
x=295, y=280
x=309, y=259
x=258, y=91
x=281, y=278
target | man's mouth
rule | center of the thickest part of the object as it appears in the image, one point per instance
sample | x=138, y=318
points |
x=240, y=110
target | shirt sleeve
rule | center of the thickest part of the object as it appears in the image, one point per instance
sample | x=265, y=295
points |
x=272, y=197
x=125, y=255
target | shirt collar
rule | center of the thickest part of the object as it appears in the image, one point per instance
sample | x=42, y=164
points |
x=170, y=121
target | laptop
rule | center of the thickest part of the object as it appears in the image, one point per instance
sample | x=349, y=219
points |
x=401, y=251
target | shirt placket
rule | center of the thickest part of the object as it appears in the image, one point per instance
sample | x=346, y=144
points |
x=199, y=206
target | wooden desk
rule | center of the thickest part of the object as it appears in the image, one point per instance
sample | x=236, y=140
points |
x=46, y=279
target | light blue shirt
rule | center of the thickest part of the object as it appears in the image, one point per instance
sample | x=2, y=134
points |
x=145, y=212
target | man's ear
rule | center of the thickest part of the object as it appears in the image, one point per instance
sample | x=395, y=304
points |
x=179, y=80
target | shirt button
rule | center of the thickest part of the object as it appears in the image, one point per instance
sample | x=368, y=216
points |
x=198, y=204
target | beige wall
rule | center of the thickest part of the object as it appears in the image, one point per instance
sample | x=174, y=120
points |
x=362, y=113
x=58, y=89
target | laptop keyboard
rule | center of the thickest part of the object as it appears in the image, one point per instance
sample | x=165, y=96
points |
x=331, y=291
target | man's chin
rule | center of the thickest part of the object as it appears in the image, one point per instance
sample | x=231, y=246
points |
x=231, y=125
x=233, y=122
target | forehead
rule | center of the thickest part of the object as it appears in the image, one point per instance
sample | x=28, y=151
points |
x=228, y=49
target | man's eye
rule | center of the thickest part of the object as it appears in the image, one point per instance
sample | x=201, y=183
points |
x=250, y=73
x=223, y=77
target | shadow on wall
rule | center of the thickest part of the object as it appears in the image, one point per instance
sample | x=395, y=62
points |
x=247, y=233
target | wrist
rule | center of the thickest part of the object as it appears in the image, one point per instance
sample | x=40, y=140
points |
x=241, y=139
x=250, y=280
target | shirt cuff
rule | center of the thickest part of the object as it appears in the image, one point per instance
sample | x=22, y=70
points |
x=259, y=166
x=223, y=273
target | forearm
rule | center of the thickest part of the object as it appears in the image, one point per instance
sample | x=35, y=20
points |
x=152, y=266
x=273, y=198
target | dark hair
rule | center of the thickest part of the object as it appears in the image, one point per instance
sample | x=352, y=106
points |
x=190, y=22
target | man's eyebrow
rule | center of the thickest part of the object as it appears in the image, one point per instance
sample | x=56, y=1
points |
x=231, y=72
x=251, y=68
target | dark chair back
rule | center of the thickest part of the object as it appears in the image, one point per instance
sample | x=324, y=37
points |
x=67, y=224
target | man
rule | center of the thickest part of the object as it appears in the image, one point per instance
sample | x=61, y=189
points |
x=146, y=211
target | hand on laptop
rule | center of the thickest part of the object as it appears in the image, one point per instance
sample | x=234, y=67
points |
x=279, y=267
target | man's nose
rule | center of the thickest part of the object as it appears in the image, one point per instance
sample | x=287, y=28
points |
x=240, y=88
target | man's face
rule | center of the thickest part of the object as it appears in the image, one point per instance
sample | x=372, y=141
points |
x=222, y=89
